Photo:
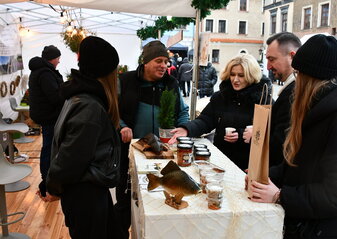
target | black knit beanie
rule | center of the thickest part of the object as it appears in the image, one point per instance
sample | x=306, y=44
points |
x=317, y=57
x=97, y=58
x=152, y=50
x=50, y=52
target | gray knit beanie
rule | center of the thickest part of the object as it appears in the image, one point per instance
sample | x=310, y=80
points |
x=152, y=50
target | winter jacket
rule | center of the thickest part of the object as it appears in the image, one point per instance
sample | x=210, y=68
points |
x=139, y=102
x=185, y=71
x=207, y=80
x=280, y=121
x=309, y=190
x=45, y=103
x=86, y=146
x=229, y=108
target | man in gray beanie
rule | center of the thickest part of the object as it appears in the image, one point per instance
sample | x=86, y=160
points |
x=139, y=103
x=45, y=104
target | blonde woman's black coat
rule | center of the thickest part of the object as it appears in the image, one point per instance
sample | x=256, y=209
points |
x=229, y=108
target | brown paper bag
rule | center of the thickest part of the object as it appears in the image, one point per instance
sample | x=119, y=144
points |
x=258, y=166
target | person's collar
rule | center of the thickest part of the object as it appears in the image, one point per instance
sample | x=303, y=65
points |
x=287, y=82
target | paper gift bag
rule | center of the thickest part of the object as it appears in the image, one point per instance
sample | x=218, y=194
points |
x=258, y=166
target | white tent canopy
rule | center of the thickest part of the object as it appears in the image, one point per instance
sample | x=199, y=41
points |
x=178, y=8
x=116, y=21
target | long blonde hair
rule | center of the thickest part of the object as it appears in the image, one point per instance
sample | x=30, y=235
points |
x=109, y=83
x=305, y=90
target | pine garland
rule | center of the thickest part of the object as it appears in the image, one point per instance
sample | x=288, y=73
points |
x=73, y=41
x=163, y=24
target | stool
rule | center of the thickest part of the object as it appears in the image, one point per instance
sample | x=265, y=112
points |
x=10, y=173
x=10, y=129
x=20, y=110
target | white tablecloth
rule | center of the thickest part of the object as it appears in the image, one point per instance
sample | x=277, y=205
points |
x=239, y=218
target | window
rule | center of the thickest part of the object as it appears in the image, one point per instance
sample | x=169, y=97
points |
x=215, y=55
x=273, y=23
x=307, y=18
x=325, y=15
x=262, y=29
x=222, y=26
x=243, y=5
x=209, y=25
x=284, y=21
x=242, y=27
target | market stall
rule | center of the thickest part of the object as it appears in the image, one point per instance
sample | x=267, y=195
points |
x=238, y=218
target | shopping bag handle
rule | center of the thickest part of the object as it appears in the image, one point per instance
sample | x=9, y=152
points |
x=265, y=93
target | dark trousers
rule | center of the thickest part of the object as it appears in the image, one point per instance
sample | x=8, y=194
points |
x=89, y=212
x=123, y=192
x=183, y=88
x=47, y=140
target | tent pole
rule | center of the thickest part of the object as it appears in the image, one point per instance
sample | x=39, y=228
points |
x=195, y=75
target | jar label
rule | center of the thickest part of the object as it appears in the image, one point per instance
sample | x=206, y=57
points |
x=187, y=158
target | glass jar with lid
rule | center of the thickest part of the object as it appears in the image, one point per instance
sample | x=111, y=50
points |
x=184, y=154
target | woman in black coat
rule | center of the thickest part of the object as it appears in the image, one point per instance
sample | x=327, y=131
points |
x=85, y=160
x=232, y=106
x=306, y=183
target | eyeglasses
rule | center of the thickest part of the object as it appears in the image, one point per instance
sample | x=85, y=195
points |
x=295, y=73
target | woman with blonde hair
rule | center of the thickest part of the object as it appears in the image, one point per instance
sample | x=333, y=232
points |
x=232, y=106
x=85, y=160
x=306, y=183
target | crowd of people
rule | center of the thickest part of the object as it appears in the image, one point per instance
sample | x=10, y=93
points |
x=95, y=115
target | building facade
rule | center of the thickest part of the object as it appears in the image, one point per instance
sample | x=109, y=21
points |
x=237, y=28
x=314, y=16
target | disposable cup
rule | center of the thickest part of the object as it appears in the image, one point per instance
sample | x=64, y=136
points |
x=229, y=130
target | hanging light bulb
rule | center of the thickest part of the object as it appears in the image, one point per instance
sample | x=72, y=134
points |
x=63, y=19
x=69, y=28
x=74, y=32
x=82, y=32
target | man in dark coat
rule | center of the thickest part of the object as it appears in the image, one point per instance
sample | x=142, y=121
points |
x=185, y=76
x=139, y=103
x=281, y=49
x=207, y=80
x=305, y=184
x=45, y=104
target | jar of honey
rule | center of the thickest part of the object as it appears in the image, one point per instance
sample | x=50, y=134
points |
x=184, y=155
x=202, y=155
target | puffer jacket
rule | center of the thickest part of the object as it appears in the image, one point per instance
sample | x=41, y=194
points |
x=45, y=102
x=185, y=71
x=229, y=108
x=207, y=80
x=86, y=146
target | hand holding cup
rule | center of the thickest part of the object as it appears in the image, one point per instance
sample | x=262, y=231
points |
x=230, y=135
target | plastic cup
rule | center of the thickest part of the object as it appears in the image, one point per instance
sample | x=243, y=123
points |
x=203, y=175
x=214, y=204
x=229, y=130
x=214, y=190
